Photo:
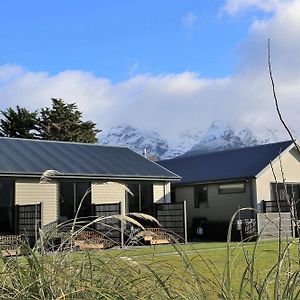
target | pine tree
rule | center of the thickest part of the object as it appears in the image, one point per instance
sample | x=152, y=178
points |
x=63, y=122
x=19, y=123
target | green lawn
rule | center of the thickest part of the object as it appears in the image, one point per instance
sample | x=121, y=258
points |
x=194, y=271
x=215, y=265
x=190, y=247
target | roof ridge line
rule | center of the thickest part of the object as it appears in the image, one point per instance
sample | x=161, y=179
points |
x=60, y=142
x=182, y=156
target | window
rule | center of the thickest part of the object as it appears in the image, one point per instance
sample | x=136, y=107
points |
x=173, y=195
x=142, y=198
x=231, y=188
x=71, y=194
x=7, y=190
x=284, y=192
x=200, y=195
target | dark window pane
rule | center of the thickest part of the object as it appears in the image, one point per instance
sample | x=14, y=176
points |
x=287, y=192
x=142, y=199
x=133, y=200
x=147, y=198
x=67, y=206
x=71, y=194
x=173, y=195
x=200, y=195
x=7, y=205
x=83, y=190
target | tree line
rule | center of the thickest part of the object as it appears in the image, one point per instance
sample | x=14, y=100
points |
x=60, y=122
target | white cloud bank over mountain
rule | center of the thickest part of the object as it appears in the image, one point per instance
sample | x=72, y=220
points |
x=173, y=103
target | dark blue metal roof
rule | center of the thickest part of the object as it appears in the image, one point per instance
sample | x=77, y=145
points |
x=224, y=165
x=33, y=157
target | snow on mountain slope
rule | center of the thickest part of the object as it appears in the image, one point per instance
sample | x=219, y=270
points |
x=185, y=142
x=136, y=139
x=219, y=136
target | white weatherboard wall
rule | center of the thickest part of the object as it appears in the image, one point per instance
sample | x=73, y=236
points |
x=33, y=192
x=108, y=192
x=162, y=192
x=290, y=162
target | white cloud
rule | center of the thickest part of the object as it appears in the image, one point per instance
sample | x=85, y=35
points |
x=172, y=103
x=8, y=72
x=189, y=20
x=236, y=6
x=168, y=104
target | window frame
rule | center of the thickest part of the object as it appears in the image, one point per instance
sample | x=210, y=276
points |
x=198, y=194
x=241, y=191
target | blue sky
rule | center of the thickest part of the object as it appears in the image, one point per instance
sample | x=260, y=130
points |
x=117, y=39
x=167, y=66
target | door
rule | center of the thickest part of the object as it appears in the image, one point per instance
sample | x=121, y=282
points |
x=7, y=207
x=71, y=195
x=142, y=198
x=141, y=201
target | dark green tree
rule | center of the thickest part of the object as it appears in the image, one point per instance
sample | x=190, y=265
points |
x=63, y=122
x=19, y=123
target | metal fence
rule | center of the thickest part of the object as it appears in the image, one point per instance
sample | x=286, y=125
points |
x=172, y=217
x=109, y=227
x=29, y=220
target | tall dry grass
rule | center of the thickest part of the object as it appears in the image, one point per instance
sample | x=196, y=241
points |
x=64, y=273
x=59, y=271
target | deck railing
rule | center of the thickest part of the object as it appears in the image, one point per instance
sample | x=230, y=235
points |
x=273, y=206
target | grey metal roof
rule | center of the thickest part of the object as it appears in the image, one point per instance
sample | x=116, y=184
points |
x=224, y=165
x=33, y=157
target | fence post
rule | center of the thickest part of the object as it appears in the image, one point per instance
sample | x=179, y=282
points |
x=36, y=217
x=292, y=222
x=263, y=206
x=17, y=219
x=122, y=213
x=185, y=221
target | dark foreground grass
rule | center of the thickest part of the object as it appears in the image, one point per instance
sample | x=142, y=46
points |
x=198, y=271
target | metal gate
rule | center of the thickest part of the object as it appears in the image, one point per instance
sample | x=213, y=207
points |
x=109, y=227
x=172, y=217
x=29, y=221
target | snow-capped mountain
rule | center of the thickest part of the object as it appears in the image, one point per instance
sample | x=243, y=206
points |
x=137, y=140
x=185, y=142
x=219, y=136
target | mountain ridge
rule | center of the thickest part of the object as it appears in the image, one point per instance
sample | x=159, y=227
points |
x=217, y=137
